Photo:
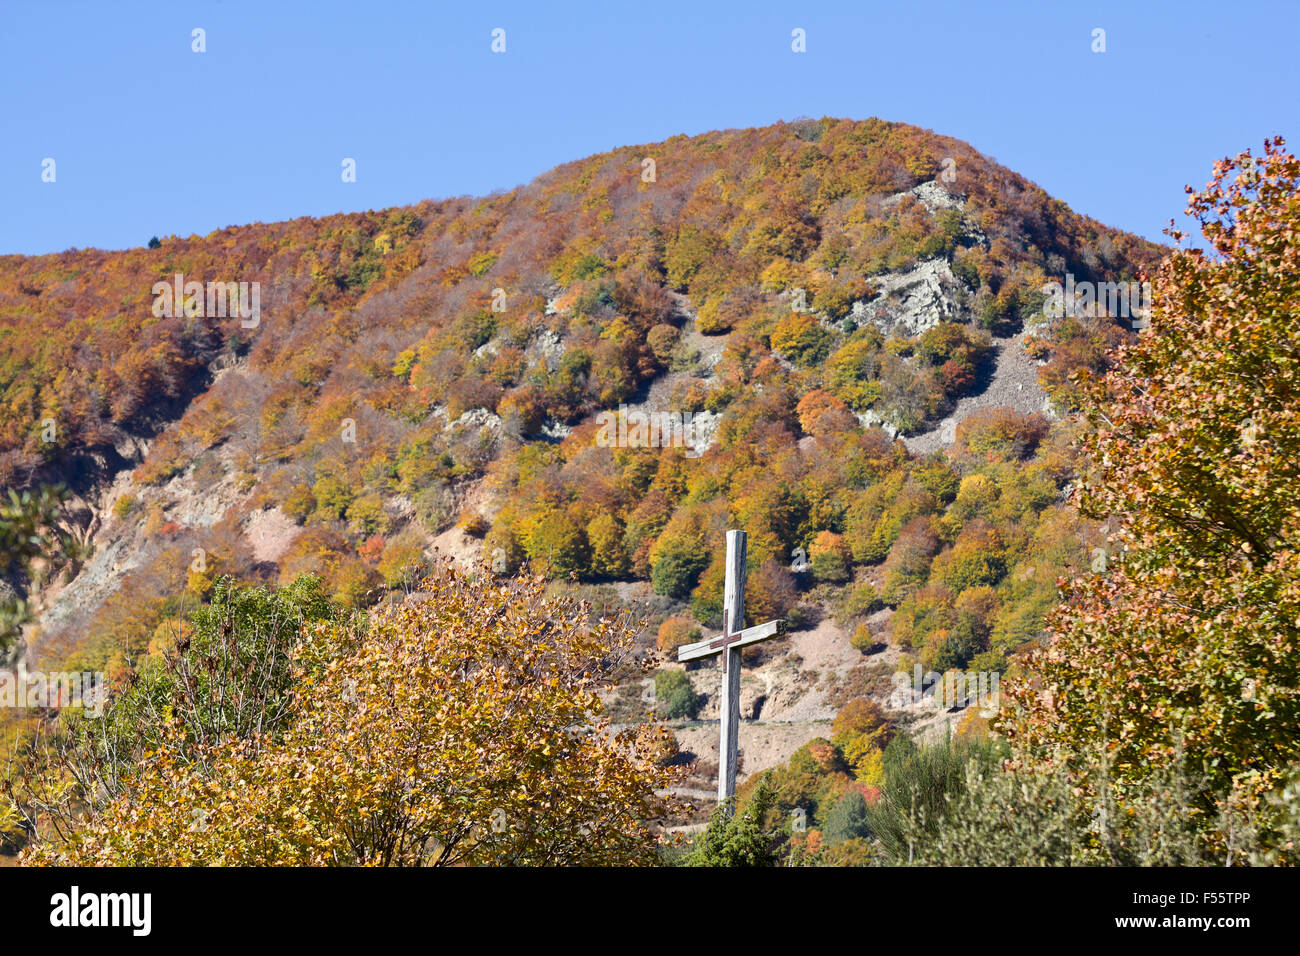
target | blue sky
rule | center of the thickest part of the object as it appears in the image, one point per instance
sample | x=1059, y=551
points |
x=150, y=138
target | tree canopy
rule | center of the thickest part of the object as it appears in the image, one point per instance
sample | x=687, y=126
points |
x=461, y=726
x=1186, y=645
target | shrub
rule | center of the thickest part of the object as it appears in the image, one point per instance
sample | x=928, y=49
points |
x=1046, y=818
x=826, y=755
x=714, y=317
x=919, y=783
x=474, y=523
x=1001, y=433
x=676, y=631
x=662, y=339
x=836, y=299
x=861, y=599
x=584, y=265
x=801, y=338
x=989, y=662
x=354, y=583
x=956, y=378
x=401, y=560
x=371, y=548
x=502, y=551
x=847, y=819
x=665, y=749
x=864, y=639
x=739, y=839
x=829, y=557
x=435, y=506
x=771, y=593
x=675, y=698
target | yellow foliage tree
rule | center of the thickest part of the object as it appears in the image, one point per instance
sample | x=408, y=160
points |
x=462, y=726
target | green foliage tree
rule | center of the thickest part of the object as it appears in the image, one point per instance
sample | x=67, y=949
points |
x=739, y=839
x=848, y=819
x=1039, y=818
x=676, y=567
x=675, y=698
x=225, y=673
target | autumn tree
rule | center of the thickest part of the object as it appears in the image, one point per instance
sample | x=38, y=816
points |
x=1186, y=642
x=605, y=535
x=462, y=726
x=1000, y=433
x=829, y=557
x=861, y=732
x=674, y=632
x=802, y=338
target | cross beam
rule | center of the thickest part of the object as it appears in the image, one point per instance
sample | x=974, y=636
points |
x=750, y=635
x=729, y=645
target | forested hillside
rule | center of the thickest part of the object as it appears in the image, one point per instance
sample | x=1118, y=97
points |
x=845, y=320
x=795, y=287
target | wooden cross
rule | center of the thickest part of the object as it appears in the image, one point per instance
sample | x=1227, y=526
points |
x=729, y=645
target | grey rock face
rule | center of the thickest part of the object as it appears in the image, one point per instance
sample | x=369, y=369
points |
x=932, y=196
x=917, y=299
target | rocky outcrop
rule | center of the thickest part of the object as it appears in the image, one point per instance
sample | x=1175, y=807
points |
x=914, y=300
x=931, y=195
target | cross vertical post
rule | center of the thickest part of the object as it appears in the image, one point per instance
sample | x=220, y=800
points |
x=733, y=621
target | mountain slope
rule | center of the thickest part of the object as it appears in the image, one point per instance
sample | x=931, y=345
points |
x=435, y=374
